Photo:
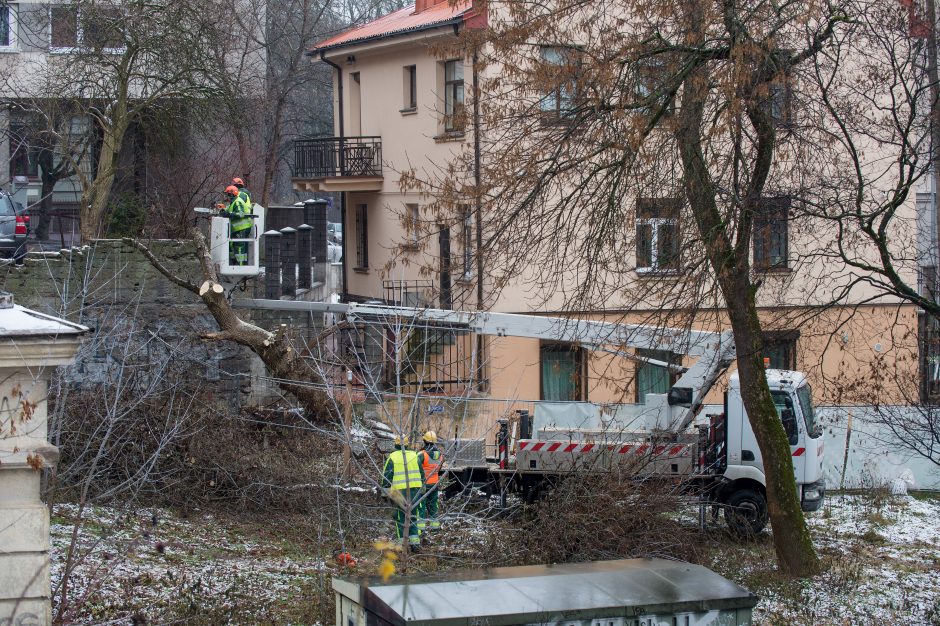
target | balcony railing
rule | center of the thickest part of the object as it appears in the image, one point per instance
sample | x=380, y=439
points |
x=330, y=157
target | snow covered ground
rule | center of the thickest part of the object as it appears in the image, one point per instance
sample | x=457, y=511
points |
x=881, y=553
x=881, y=556
x=150, y=565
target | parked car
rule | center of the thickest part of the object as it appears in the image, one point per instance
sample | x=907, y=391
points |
x=334, y=231
x=14, y=228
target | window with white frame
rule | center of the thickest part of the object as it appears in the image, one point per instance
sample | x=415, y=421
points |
x=7, y=26
x=413, y=214
x=98, y=28
x=657, y=234
x=562, y=65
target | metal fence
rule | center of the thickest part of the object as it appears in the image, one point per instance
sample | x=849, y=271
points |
x=338, y=156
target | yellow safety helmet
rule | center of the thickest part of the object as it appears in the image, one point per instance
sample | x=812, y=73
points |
x=401, y=441
x=430, y=436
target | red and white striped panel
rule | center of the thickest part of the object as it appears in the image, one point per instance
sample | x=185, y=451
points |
x=639, y=449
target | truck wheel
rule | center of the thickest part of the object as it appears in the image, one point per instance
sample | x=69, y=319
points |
x=746, y=512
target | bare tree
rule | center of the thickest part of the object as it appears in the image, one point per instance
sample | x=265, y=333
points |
x=673, y=117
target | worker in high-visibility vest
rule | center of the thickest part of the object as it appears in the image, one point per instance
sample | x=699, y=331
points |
x=431, y=459
x=243, y=192
x=240, y=225
x=403, y=481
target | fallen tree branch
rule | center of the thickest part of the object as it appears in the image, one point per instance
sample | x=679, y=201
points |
x=275, y=349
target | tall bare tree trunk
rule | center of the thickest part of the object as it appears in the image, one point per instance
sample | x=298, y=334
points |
x=95, y=197
x=729, y=260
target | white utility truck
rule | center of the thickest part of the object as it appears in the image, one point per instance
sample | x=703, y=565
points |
x=712, y=453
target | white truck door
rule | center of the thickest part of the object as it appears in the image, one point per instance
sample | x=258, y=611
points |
x=796, y=431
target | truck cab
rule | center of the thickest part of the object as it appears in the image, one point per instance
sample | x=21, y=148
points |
x=744, y=474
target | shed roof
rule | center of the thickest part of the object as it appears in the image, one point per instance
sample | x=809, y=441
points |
x=398, y=23
x=17, y=321
x=518, y=595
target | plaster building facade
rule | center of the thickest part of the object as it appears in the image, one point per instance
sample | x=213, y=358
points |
x=396, y=89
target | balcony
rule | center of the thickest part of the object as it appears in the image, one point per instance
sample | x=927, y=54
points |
x=338, y=164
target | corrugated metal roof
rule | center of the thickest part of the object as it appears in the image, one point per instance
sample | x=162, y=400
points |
x=538, y=594
x=398, y=23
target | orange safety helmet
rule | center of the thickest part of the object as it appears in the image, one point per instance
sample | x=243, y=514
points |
x=231, y=190
x=238, y=182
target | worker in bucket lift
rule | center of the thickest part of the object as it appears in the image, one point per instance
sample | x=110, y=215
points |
x=431, y=459
x=240, y=224
x=402, y=481
x=243, y=192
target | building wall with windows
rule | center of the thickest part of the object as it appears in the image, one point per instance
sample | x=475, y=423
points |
x=402, y=88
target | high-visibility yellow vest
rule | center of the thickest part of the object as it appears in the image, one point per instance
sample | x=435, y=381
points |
x=407, y=469
x=431, y=464
x=238, y=210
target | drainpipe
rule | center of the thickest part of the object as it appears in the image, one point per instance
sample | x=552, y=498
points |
x=342, y=195
x=479, y=211
x=339, y=86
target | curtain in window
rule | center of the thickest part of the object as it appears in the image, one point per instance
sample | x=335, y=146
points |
x=560, y=374
x=653, y=378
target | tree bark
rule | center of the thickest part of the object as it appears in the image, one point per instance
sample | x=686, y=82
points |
x=95, y=197
x=729, y=260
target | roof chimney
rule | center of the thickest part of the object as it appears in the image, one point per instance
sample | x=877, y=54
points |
x=421, y=5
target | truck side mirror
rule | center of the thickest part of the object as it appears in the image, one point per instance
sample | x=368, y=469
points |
x=789, y=425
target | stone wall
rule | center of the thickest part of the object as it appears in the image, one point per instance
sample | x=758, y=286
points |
x=110, y=285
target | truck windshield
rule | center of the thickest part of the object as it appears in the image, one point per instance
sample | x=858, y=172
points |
x=805, y=396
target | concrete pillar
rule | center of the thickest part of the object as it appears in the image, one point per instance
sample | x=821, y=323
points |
x=304, y=254
x=315, y=216
x=30, y=348
x=288, y=262
x=272, y=265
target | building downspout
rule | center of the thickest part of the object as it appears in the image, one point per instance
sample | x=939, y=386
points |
x=479, y=213
x=342, y=195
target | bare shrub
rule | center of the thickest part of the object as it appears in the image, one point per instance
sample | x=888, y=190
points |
x=608, y=517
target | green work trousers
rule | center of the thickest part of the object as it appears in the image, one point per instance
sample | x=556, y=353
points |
x=431, y=508
x=238, y=250
x=417, y=512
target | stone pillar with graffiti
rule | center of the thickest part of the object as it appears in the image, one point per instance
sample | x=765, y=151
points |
x=32, y=345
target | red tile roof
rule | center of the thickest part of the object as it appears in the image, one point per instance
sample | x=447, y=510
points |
x=401, y=22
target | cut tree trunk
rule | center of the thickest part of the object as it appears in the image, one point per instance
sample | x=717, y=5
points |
x=293, y=373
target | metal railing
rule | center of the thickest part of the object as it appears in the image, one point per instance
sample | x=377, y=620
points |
x=338, y=156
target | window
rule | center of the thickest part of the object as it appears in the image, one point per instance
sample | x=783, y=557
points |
x=7, y=27
x=770, y=234
x=653, y=378
x=63, y=21
x=650, y=87
x=410, y=88
x=780, y=348
x=24, y=146
x=467, y=240
x=453, y=96
x=564, y=372
x=95, y=27
x=413, y=215
x=779, y=101
x=562, y=64
x=657, y=234
x=362, y=236
x=447, y=297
